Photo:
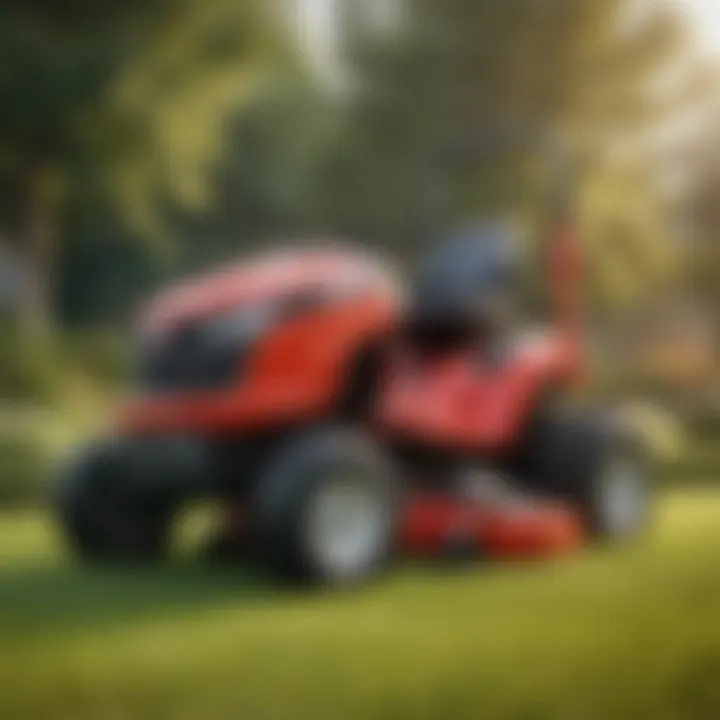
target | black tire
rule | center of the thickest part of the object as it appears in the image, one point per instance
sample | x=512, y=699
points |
x=102, y=520
x=223, y=549
x=578, y=457
x=303, y=470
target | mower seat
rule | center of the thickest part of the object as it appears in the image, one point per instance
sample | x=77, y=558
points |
x=463, y=290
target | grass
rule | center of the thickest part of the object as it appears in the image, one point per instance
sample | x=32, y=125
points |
x=624, y=633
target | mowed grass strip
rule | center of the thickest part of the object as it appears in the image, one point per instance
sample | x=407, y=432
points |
x=620, y=633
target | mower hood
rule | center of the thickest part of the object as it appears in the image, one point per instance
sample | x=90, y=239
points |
x=271, y=276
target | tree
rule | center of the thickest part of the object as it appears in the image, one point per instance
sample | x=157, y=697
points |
x=269, y=184
x=584, y=67
x=137, y=91
x=700, y=209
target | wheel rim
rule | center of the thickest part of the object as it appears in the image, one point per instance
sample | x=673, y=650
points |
x=623, y=496
x=346, y=526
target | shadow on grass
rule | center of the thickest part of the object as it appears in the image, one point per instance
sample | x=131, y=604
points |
x=40, y=598
x=62, y=597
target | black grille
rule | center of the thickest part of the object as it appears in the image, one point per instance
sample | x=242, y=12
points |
x=181, y=360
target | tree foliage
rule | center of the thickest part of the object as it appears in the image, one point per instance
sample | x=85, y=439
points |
x=587, y=68
x=195, y=125
x=132, y=93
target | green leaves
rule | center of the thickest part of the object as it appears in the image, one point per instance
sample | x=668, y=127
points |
x=587, y=67
x=144, y=89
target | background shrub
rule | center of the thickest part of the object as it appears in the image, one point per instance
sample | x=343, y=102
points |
x=26, y=457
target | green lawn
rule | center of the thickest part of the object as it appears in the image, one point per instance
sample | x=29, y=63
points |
x=632, y=633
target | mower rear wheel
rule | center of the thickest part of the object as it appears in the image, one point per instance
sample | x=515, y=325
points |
x=326, y=509
x=600, y=467
x=101, y=520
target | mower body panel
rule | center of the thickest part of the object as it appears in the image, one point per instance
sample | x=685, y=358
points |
x=471, y=403
x=333, y=306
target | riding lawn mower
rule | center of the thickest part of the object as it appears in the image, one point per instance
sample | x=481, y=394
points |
x=343, y=420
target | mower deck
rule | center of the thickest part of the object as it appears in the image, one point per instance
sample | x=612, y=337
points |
x=436, y=525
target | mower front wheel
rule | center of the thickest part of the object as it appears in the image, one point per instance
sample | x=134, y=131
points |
x=101, y=519
x=327, y=508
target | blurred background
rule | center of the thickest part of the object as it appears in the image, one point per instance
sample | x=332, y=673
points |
x=142, y=141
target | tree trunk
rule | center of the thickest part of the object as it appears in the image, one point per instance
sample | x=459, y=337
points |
x=39, y=236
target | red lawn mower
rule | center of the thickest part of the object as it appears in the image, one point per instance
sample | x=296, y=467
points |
x=342, y=419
